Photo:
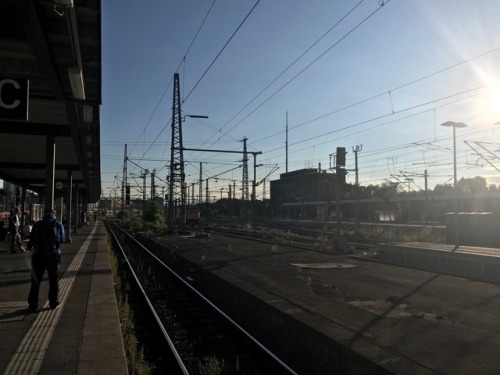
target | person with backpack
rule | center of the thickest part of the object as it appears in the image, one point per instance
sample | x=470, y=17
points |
x=46, y=238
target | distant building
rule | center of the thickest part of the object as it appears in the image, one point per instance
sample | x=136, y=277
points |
x=12, y=195
x=304, y=194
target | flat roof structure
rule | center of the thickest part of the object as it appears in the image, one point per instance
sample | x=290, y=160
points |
x=50, y=95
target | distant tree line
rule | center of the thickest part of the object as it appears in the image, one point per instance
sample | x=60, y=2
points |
x=474, y=195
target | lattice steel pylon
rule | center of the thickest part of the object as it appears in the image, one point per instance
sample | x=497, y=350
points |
x=124, y=178
x=176, y=193
x=244, y=182
x=153, y=186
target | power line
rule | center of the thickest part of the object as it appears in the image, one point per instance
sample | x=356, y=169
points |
x=383, y=93
x=292, y=64
x=220, y=52
x=183, y=59
x=171, y=80
x=409, y=83
x=347, y=127
x=308, y=66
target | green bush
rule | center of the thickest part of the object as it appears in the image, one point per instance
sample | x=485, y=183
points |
x=154, y=220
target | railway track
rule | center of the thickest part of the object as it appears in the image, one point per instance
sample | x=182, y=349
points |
x=308, y=239
x=317, y=235
x=473, y=263
x=199, y=336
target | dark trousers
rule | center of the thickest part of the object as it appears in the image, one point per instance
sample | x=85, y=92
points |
x=40, y=263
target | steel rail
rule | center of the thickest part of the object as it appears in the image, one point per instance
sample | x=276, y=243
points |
x=158, y=320
x=268, y=352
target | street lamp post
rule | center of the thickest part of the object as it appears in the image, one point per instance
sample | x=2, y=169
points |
x=455, y=125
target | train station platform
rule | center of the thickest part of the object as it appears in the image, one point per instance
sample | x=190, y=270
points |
x=348, y=313
x=82, y=336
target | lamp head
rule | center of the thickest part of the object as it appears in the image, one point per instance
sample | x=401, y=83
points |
x=76, y=81
x=454, y=124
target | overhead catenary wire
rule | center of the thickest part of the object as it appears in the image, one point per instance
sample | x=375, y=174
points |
x=385, y=151
x=293, y=63
x=400, y=119
x=385, y=93
x=296, y=59
x=222, y=49
x=171, y=80
x=396, y=120
x=307, y=66
x=183, y=59
x=360, y=123
x=363, y=101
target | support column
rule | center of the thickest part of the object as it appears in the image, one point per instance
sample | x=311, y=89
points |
x=61, y=205
x=23, y=206
x=77, y=212
x=69, y=205
x=50, y=159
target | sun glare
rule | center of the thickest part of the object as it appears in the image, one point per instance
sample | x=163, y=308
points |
x=495, y=100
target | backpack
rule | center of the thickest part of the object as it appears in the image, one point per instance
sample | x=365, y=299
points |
x=47, y=236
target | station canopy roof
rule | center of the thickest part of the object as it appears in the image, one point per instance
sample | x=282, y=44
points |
x=54, y=48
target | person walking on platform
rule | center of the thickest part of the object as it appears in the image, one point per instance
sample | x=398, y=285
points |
x=46, y=238
x=15, y=236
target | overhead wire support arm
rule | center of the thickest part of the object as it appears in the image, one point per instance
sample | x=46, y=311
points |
x=481, y=155
x=209, y=150
x=275, y=168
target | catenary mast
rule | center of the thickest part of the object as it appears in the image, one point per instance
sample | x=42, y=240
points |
x=176, y=193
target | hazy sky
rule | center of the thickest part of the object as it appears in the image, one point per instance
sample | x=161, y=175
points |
x=348, y=72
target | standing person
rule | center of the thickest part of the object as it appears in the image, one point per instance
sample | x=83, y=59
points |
x=15, y=237
x=83, y=217
x=46, y=238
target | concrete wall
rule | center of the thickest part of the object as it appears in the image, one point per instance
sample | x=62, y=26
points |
x=435, y=258
x=474, y=229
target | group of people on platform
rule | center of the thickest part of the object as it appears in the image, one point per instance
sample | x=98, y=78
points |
x=13, y=234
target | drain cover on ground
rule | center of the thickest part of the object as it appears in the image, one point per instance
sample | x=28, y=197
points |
x=323, y=265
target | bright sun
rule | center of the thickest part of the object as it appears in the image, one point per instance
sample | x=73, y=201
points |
x=495, y=100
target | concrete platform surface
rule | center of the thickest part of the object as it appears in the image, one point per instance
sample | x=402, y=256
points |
x=83, y=335
x=404, y=320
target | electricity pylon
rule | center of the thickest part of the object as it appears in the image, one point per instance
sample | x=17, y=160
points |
x=176, y=193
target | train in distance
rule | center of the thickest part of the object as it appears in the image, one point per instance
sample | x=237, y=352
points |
x=192, y=215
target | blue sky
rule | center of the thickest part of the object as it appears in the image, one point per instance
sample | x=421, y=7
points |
x=349, y=73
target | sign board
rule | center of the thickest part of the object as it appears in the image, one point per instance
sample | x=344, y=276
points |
x=14, y=95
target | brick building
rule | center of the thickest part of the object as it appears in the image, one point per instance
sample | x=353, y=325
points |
x=304, y=194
